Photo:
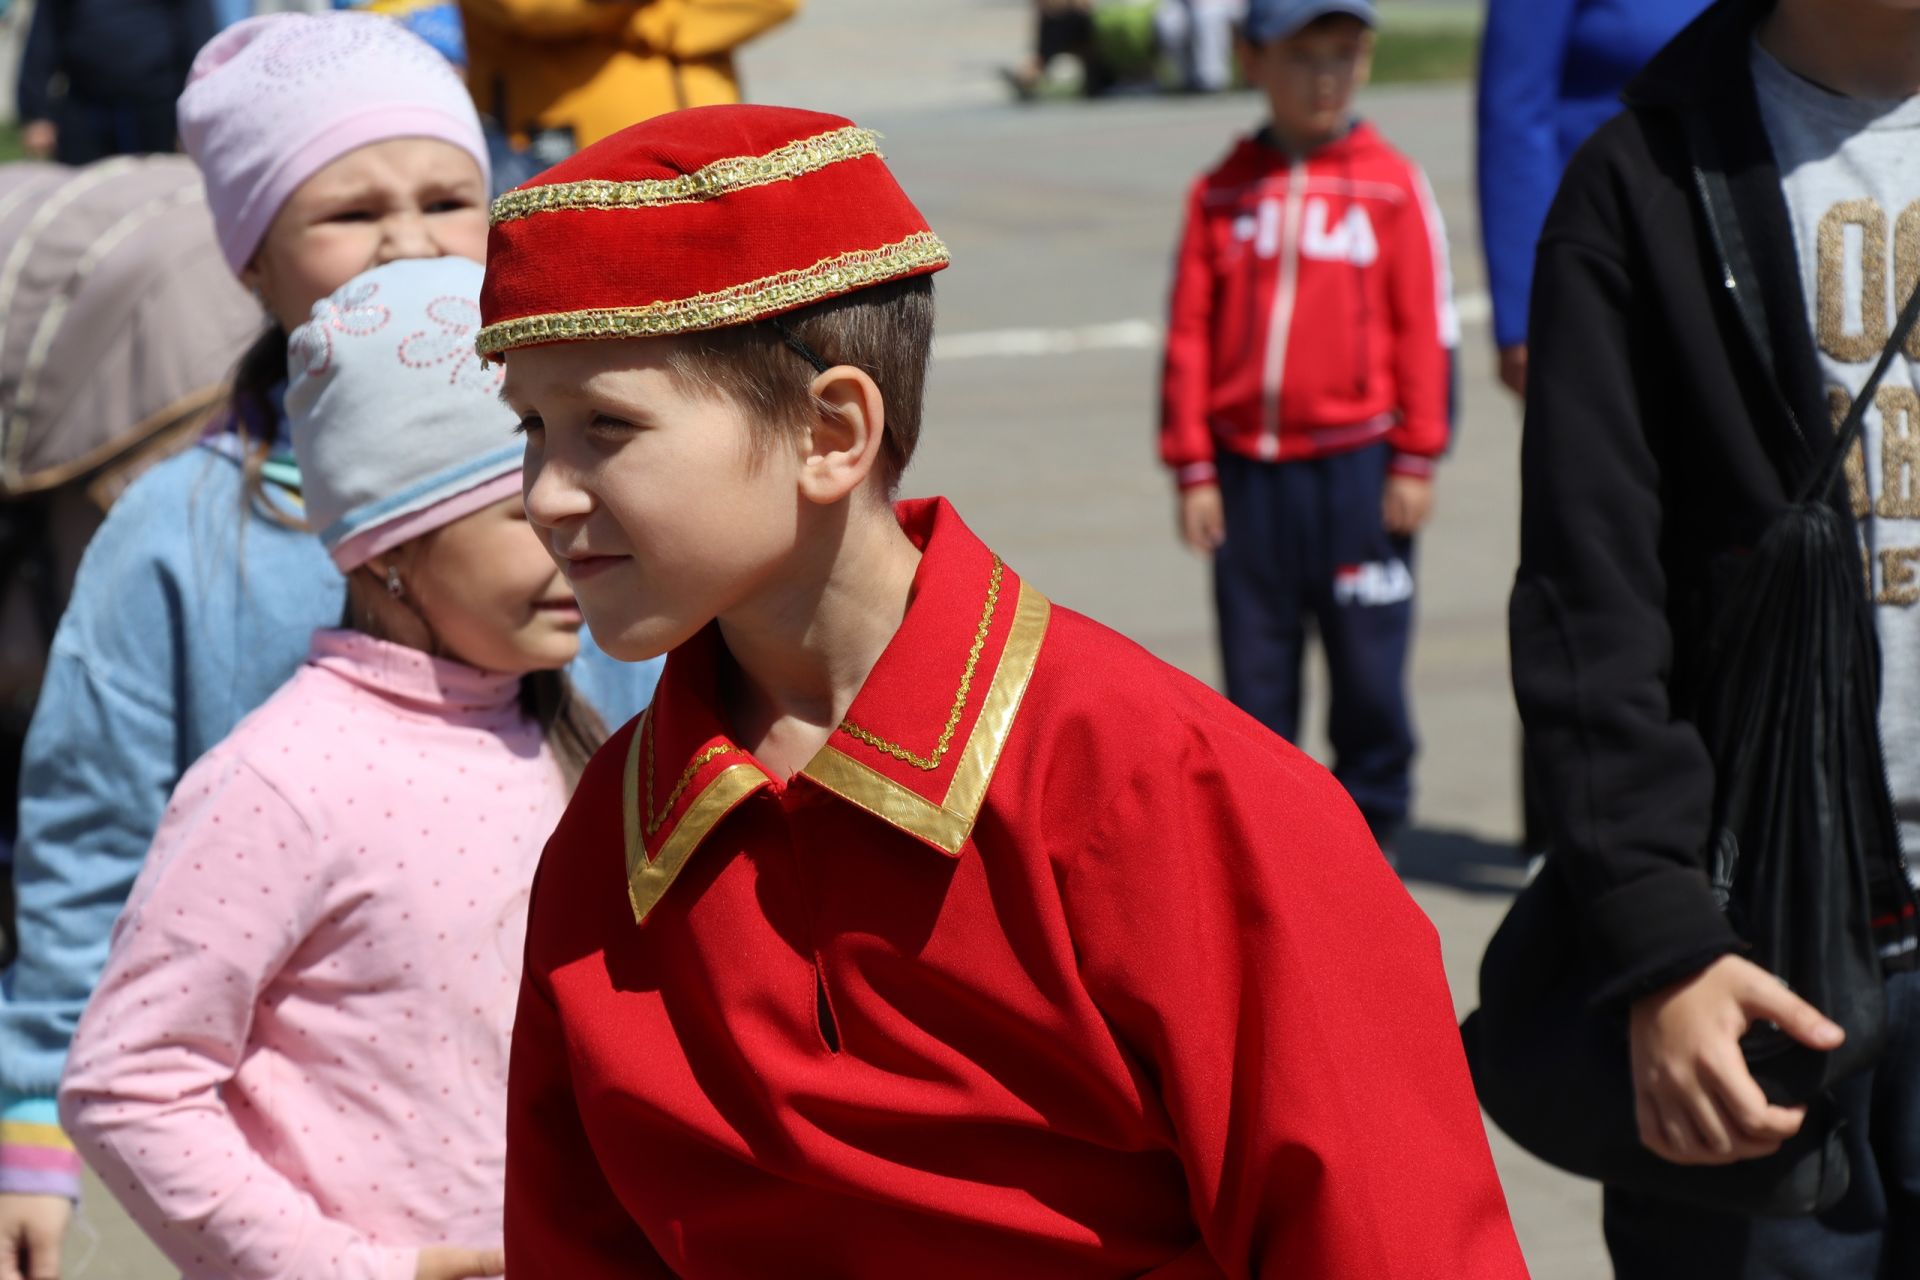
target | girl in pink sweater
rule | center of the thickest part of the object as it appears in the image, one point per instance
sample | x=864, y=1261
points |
x=295, y=1064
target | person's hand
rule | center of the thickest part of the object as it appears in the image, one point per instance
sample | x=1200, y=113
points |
x=1513, y=368
x=32, y=1229
x=1694, y=1099
x=38, y=137
x=1406, y=504
x=454, y=1262
x=1203, y=518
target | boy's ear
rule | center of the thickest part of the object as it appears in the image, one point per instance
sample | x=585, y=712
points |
x=846, y=437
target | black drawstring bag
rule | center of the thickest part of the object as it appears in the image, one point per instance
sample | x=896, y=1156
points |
x=1801, y=812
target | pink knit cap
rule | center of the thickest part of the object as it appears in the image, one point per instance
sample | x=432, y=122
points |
x=273, y=100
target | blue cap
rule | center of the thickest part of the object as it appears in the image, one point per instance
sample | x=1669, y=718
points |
x=1278, y=19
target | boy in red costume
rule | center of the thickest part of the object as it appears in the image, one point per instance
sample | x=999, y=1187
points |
x=1304, y=400
x=920, y=927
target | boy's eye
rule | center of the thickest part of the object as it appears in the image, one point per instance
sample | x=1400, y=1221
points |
x=608, y=422
x=528, y=425
x=350, y=215
x=452, y=204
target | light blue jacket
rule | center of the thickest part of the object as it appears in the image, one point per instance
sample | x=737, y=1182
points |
x=186, y=615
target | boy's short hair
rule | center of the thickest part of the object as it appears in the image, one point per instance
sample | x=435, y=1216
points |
x=885, y=330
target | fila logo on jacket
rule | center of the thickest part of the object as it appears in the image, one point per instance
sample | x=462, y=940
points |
x=1351, y=239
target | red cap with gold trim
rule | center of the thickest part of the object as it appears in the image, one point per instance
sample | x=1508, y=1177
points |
x=698, y=219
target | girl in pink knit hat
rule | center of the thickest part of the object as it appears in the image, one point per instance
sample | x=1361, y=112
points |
x=330, y=144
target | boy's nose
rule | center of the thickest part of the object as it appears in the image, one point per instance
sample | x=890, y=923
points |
x=553, y=497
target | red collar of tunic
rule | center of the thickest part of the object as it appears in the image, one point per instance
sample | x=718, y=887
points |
x=918, y=747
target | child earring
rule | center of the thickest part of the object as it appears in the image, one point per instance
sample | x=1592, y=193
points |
x=395, y=587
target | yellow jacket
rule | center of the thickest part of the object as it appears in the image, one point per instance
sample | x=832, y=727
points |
x=597, y=66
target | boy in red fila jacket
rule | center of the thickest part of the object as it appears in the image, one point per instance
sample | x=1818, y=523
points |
x=920, y=928
x=1305, y=395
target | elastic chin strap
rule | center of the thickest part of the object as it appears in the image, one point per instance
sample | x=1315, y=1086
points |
x=792, y=339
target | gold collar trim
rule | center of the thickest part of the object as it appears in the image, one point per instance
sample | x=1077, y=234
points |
x=932, y=762
x=736, y=304
x=947, y=825
x=649, y=878
x=734, y=173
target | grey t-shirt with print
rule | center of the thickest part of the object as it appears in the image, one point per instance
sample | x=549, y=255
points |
x=1851, y=169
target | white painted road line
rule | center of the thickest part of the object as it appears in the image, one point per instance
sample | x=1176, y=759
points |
x=1117, y=335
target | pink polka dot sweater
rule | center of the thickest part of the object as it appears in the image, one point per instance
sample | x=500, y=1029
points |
x=295, y=1064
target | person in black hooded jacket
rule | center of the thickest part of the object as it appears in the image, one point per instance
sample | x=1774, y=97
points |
x=1685, y=379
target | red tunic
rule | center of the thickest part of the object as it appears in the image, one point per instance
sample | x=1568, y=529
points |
x=1050, y=964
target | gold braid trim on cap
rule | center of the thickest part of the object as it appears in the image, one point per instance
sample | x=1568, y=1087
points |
x=735, y=173
x=736, y=304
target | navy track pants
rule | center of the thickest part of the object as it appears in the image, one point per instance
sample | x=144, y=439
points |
x=1305, y=543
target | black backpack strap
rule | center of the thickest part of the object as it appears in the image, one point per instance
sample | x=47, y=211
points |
x=1823, y=480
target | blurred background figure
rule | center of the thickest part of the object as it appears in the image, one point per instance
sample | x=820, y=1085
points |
x=1196, y=37
x=552, y=76
x=99, y=378
x=1551, y=72
x=1063, y=28
x=99, y=78
x=1096, y=47
x=435, y=21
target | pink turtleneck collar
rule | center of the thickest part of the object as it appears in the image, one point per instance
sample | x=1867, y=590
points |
x=410, y=677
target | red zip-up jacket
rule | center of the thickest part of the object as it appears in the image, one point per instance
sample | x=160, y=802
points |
x=1312, y=311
